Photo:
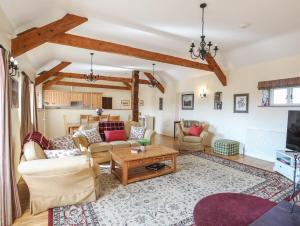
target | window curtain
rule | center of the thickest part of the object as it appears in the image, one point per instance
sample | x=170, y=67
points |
x=9, y=198
x=34, y=111
x=26, y=124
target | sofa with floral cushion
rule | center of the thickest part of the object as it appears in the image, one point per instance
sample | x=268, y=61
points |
x=111, y=135
x=57, y=177
x=191, y=135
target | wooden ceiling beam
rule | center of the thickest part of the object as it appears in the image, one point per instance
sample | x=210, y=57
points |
x=109, y=47
x=152, y=79
x=47, y=74
x=101, y=77
x=35, y=37
x=216, y=69
x=90, y=85
x=127, y=84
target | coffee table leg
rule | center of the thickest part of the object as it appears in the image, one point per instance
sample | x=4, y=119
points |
x=124, y=174
x=174, y=163
x=112, y=165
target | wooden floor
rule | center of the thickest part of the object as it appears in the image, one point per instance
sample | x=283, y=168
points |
x=42, y=219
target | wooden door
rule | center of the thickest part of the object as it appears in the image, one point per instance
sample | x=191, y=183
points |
x=96, y=99
x=107, y=102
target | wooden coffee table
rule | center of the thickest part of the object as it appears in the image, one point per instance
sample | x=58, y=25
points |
x=129, y=168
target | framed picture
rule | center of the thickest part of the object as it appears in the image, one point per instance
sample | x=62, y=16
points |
x=241, y=103
x=14, y=93
x=187, y=101
x=125, y=103
x=160, y=104
x=141, y=102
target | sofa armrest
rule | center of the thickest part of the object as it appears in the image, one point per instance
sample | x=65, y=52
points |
x=149, y=135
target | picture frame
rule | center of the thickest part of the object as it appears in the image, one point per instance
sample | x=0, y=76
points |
x=125, y=103
x=187, y=101
x=14, y=93
x=241, y=103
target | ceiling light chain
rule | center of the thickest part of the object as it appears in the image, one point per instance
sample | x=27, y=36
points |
x=91, y=77
x=203, y=48
x=153, y=82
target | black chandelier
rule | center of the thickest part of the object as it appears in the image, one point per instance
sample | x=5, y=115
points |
x=91, y=77
x=13, y=66
x=203, y=48
x=153, y=82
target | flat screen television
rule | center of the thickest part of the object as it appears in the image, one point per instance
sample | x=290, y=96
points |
x=293, y=131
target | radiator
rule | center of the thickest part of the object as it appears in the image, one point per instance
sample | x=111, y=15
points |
x=263, y=144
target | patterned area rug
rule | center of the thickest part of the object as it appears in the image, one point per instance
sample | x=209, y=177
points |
x=170, y=199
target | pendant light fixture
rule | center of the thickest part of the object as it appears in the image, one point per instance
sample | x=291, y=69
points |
x=153, y=82
x=91, y=77
x=203, y=48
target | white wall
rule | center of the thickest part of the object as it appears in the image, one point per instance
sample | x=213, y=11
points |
x=262, y=129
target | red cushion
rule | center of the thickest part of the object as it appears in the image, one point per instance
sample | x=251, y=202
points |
x=195, y=130
x=112, y=135
x=110, y=126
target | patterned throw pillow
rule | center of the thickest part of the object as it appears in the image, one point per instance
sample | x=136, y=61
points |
x=56, y=154
x=92, y=135
x=137, y=132
x=62, y=143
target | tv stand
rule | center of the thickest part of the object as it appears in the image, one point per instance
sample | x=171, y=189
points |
x=284, y=164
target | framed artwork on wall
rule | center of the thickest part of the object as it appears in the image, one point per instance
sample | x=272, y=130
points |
x=160, y=104
x=241, y=103
x=14, y=93
x=125, y=103
x=187, y=101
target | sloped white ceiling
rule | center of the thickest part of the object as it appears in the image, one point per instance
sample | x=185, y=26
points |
x=166, y=26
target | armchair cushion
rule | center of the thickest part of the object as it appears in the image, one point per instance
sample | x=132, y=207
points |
x=32, y=151
x=195, y=130
x=192, y=139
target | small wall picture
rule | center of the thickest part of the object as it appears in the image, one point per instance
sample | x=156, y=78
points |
x=160, y=104
x=125, y=103
x=241, y=103
x=141, y=102
x=14, y=93
x=187, y=101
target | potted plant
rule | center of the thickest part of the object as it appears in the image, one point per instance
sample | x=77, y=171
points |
x=143, y=143
x=99, y=111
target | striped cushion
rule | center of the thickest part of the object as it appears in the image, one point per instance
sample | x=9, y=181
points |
x=226, y=147
x=108, y=126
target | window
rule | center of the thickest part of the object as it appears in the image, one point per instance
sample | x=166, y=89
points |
x=285, y=96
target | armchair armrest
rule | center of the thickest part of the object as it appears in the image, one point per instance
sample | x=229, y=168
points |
x=54, y=166
x=204, y=135
x=180, y=133
x=149, y=135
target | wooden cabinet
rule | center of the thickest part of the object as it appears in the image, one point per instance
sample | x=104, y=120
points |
x=64, y=98
x=57, y=98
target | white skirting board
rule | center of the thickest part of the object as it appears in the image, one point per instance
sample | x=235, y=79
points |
x=263, y=144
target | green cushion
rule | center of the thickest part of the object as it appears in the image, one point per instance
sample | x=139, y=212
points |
x=226, y=147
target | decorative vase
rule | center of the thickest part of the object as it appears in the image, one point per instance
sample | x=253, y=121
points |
x=143, y=148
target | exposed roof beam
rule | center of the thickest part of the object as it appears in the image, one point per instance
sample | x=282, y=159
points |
x=52, y=82
x=109, y=47
x=35, y=37
x=90, y=85
x=216, y=69
x=152, y=79
x=127, y=84
x=47, y=74
x=101, y=77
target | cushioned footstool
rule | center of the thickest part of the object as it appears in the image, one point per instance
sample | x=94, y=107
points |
x=226, y=147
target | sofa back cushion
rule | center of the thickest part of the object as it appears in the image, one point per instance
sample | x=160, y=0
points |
x=55, y=154
x=62, y=143
x=33, y=151
x=128, y=125
x=114, y=135
x=137, y=132
x=92, y=135
x=108, y=126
